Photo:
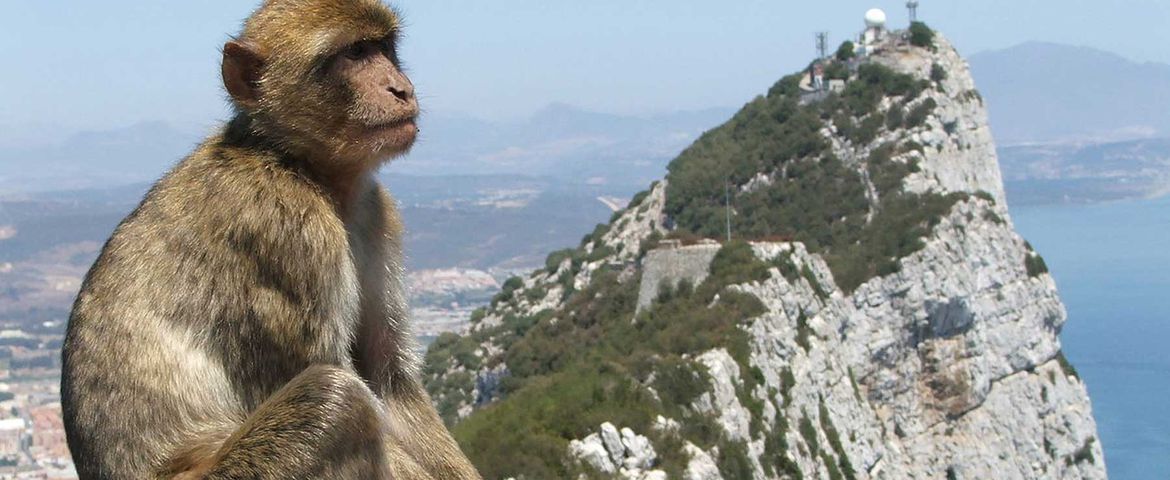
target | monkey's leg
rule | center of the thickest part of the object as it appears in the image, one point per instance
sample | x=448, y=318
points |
x=325, y=423
x=420, y=431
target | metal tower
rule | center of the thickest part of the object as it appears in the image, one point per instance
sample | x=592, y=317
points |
x=822, y=45
x=727, y=203
x=912, y=5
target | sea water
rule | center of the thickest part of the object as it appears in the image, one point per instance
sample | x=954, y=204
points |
x=1111, y=263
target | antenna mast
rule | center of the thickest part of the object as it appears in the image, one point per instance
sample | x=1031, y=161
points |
x=822, y=45
x=727, y=203
x=912, y=6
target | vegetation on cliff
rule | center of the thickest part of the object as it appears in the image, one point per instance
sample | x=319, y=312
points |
x=788, y=184
x=591, y=365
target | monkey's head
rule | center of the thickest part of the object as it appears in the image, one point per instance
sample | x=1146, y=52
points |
x=321, y=79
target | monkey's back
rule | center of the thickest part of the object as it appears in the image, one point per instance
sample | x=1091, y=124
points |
x=225, y=272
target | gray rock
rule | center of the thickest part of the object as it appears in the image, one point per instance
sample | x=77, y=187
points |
x=592, y=452
x=640, y=453
x=613, y=443
x=701, y=466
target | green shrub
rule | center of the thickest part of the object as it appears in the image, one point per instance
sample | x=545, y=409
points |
x=733, y=460
x=1083, y=454
x=811, y=278
x=870, y=126
x=639, y=198
x=847, y=51
x=918, y=115
x=509, y=288
x=803, y=331
x=937, y=73
x=787, y=267
x=837, y=71
x=554, y=259
x=775, y=459
x=921, y=35
x=896, y=231
x=679, y=382
x=1066, y=366
x=809, y=433
x=895, y=116
x=835, y=442
x=1035, y=265
x=951, y=127
x=478, y=315
x=787, y=382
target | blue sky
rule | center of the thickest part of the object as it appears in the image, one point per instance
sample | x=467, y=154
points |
x=76, y=65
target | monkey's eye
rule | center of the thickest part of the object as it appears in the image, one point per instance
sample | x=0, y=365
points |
x=358, y=51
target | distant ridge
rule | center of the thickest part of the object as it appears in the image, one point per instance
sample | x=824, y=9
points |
x=1048, y=92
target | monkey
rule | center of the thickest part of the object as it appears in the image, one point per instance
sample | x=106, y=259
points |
x=247, y=319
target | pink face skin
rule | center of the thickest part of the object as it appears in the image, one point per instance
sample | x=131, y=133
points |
x=383, y=107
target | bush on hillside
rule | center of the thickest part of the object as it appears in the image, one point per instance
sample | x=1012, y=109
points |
x=921, y=35
x=847, y=51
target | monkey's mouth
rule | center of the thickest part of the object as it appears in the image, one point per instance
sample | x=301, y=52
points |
x=392, y=126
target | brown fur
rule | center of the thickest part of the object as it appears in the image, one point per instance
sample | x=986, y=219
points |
x=247, y=320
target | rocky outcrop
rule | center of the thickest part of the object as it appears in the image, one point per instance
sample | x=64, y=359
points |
x=948, y=366
x=623, y=453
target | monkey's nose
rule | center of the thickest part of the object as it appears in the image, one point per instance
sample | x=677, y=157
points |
x=403, y=94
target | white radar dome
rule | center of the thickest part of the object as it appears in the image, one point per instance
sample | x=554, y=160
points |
x=875, y=18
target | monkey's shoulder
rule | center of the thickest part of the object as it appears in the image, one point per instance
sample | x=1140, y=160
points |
x=223, y=205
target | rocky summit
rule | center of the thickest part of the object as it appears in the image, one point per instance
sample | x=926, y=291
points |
x=873, y=315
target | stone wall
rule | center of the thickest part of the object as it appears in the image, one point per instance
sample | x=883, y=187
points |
x=671, y=265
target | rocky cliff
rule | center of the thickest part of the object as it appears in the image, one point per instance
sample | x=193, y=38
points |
x=877, y=316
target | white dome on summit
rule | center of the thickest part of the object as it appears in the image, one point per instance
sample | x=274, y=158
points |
x=875, y=17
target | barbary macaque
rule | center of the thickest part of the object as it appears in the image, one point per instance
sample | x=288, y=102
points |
x=248, y=319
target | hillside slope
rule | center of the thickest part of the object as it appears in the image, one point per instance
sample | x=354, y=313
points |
x=881, y=320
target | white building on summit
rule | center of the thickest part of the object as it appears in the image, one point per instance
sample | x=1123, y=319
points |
x=875, y=31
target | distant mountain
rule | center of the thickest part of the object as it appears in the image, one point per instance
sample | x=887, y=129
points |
x=97, y=159
x=1045, y=92
x=559, y=141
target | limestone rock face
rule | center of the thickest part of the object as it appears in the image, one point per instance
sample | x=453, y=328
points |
x=960, y=151
x=701, y=466
x=722, y=402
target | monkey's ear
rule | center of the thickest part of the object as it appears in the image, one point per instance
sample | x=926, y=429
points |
x=242, y=65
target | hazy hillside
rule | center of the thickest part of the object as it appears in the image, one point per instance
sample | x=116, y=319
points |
x=1043, y=92
x=1039, y=174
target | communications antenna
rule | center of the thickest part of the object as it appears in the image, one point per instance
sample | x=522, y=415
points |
x=727, y=202
x=912, y=6
x=822, y=45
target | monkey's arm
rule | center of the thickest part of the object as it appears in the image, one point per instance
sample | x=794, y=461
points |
x=384, y=355
x=385, y=362
x=417, y=425
x=325, y=423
